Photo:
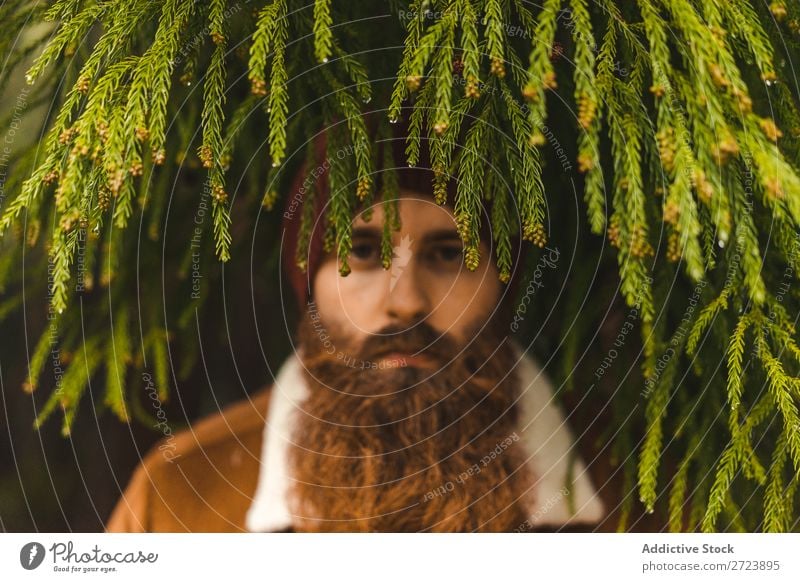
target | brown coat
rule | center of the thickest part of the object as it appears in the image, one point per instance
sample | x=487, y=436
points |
x=209, y=484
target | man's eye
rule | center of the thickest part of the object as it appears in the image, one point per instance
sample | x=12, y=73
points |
x=364, y=251
x=447, y=254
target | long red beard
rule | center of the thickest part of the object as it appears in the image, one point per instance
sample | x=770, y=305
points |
x=408, y=449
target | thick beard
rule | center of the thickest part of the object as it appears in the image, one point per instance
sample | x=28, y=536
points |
x=408, y=449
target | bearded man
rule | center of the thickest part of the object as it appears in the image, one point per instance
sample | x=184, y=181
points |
x=406, y=406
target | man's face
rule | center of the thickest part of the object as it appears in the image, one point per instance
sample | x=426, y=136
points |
x=427, y=281
x=411, y=379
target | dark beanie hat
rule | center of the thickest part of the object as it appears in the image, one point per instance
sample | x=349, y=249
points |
x=311, y=169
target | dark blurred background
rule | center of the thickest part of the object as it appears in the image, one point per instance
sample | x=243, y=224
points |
x=52, y=483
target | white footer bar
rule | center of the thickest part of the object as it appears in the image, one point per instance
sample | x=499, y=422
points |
x=400, y=557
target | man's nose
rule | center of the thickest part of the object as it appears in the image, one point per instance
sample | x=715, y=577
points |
x=407, y=301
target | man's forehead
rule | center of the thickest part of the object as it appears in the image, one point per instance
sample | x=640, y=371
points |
x=420, y=216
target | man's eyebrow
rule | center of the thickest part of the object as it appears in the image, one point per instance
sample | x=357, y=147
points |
x=366, y=232
x=441, y=235
x=438, y=235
